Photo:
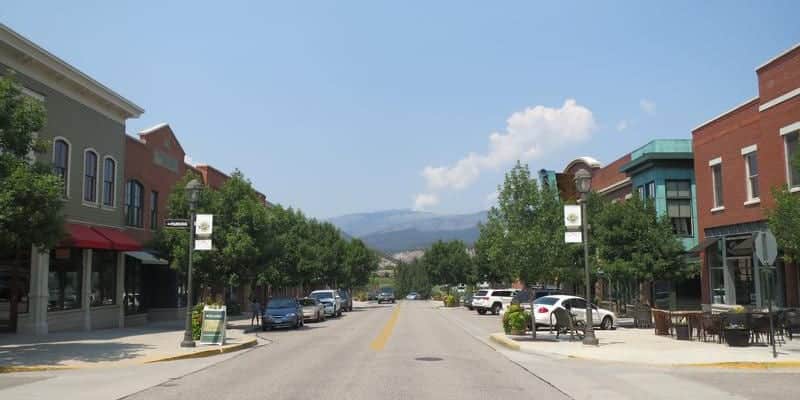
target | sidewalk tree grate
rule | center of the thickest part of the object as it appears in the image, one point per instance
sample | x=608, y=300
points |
x=428, y=359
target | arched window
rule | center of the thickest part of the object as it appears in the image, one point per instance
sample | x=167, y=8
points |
x=90, y=176
x=134, y=198
x=109, y=181
x=61, y=161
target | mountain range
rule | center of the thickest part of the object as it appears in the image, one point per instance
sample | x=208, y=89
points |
x=393, y=231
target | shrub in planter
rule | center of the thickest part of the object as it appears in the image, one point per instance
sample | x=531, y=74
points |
x=450, y=301
x=512, y=310
x=517, y=322
x=197, y=320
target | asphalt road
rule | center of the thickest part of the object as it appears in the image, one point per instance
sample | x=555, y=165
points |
x=406, y=351
x=414, y=350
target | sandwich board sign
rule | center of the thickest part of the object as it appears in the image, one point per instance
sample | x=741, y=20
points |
x=212, y=331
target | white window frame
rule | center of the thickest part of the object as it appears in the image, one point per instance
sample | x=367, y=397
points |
x=114, y=187
x=747, y=152
x=69, y=162
x=717, y=162
x=785, y=131
x=97, y=170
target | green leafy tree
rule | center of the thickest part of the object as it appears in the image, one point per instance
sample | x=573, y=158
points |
x=784, y=219
x=523, y=237
x=30, y=194
x=448, y=262
x=633, y=242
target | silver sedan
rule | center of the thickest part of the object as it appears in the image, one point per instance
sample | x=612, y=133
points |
x=313, y=310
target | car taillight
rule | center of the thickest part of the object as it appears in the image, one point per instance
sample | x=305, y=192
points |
x=542, y=310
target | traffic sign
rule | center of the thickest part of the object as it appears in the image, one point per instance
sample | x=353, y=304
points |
x=766, y=247
x=176, y=223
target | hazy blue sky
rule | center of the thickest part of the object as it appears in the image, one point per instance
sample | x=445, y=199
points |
x=345, y=106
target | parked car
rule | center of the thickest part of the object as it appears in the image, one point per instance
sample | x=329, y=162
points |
x=494, y=300
x=386, y=295
x=467, y=301
x=312, y=310
x=526, y=296
x=543, y=307
x=282, y=312
x=371, y=296
x=347, y=300
x=412, y=296
x=331, y=301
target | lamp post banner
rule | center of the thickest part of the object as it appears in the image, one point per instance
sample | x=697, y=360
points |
x=204, y=224
x=572, y=217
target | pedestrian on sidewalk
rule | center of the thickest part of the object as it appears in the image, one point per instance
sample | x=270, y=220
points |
x=255, y=308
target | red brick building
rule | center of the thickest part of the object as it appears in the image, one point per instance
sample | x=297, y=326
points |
x=606, y=180
x=739, y=157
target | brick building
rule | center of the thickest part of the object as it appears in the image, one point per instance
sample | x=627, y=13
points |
x=740, y=156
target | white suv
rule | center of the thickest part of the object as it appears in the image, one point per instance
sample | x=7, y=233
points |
x=331, y=302
x=494, y=300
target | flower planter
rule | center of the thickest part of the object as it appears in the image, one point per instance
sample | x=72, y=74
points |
x=737, y=337
x=517, y=333
x=682, y=332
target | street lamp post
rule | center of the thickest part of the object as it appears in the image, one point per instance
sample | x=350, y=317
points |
x=583, y=183
x=192, y=191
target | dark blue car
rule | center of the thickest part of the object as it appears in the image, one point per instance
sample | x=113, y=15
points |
x=282, y=312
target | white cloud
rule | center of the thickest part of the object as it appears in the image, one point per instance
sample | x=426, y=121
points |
x=529, y=134
x=648, y=106
x=424, y=200
x=622, y=125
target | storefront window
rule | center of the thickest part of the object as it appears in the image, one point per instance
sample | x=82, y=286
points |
x=739, y=260
x=104, y=278
x=7, y=260
x=134, y=296
x=64, y=279
x=714, y=255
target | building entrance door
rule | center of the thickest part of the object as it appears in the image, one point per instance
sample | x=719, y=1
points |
x=744, y=288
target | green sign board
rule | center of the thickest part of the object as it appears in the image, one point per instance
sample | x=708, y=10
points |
x=212, y=331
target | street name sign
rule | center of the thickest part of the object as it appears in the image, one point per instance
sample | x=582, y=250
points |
x=176, y=223
x=212, y=331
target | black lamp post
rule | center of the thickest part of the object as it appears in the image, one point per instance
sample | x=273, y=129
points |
x=583, y=183
x=192, y=192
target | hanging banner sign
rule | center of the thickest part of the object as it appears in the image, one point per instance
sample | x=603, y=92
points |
x=573, y=237
x=203, y=225
x=212, y=331
x=572, y=216
x=202, y=244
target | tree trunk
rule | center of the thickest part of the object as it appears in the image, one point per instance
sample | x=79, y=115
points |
x=13, y=311
x=644, y=293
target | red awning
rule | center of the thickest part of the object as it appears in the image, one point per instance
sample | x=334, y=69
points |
x=83, y=236
x=119, y=239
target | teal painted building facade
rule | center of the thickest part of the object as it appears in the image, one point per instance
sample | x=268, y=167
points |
x=662, y=171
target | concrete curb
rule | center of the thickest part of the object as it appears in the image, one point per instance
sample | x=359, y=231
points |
x=198, y=354
x=504, y=341
x=207, y=353
x=512, y=344
x=32, y=368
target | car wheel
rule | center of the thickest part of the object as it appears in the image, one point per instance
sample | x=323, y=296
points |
x=482, y=312
x=606, y=324
x=496, y=309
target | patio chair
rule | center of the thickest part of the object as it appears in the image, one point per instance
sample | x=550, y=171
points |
x=642, y=316
x=791, y=322
x=759, y=327
x=663, y=322
x=711, y=326
x=565, y=323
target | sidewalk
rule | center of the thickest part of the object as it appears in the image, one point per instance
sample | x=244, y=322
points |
x=112, y=347
x=642, y=346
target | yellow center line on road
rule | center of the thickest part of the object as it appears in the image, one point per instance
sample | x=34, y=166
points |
x=380, y=341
